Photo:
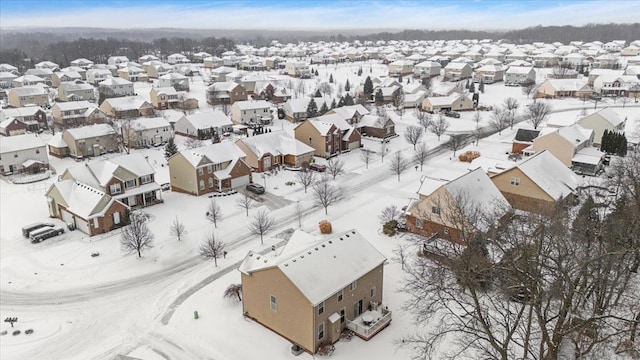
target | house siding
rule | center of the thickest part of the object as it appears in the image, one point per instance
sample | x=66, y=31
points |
x=557, y=145
x=527, y=196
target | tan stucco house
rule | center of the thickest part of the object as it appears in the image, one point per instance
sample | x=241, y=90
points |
x=314, y=288
x=601, y=120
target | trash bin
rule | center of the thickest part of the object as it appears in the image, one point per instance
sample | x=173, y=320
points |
x=71, y=226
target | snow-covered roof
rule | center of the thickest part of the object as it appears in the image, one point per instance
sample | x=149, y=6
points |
x=567, y=84
x=277, y=142
x=443, y=100
x=20, y=142
x=519, y=70
x=343, y=259
x=91, y=131
x=72, y=86
x=222, y=86
x=166, y=90
x=125, y=103
x=28, y=91
x=98, y=173
x=251, y=104
x=609, y=115
x=74, y=105
x=588, y=155
x=113, y=81
x=323, y=127
x=208, y=120
x=21, y=111
x=550, y=174
x=149, y=123
x=57, y=141
x=82, y=199
x=216, y=153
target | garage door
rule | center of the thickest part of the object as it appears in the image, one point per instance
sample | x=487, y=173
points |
x=67, y=216
x=240, y=181
x=354, y=145
x=82, y=226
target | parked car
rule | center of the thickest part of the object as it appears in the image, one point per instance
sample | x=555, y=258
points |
x=26, y=230
x=47, y=234
x=317, y=167
x=451, y=113
x=255, y=188
x=292, y=168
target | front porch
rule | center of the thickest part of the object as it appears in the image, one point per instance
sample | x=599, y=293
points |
x=370, y=322
x=143, y=196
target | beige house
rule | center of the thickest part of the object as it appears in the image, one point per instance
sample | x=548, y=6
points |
x=76, y=113
x=287, y=293
x=455, y=71
x=64, y=76
x=212, y=168
x=489, y=74
x=28, y=95
x=324, y=137
x=561, y=88
x=76, y=91
x=164, y=97
x=126, y=107
x=400, y=68
x=251, y=111
x=443, y=103
x=91, y=140
x=601, y=120
x=271, y=150
x=450, y=210
x=537, y=183
x=572, y=145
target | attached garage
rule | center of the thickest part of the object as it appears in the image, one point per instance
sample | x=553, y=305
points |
x=83, y=226
x=239, y=181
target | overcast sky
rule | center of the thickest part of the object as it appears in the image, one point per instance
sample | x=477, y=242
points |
x=314, y=14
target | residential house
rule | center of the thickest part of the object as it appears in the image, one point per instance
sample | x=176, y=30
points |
x=601, y=120
x=211, y=168
x=145, y=58
x=523, y=139
x=605, y=61
x=76, y=113
x=446, y=103
x=174, y=80
x=23, y=153
x=446, y=89
x=287, y=285
x=10, y=69
x=82, y=63
x=57, y=146
x=12, y=127
x=451, y=210
x=271, y=93
x=537, y=183
x=126, y=107
x=28, y=95
x=129, y=179
x=48, y=65
x=545, y=59
x=562, y=88
x=145, y=132
x=612, y=85
x=489, y=74
x=516, y=75
x=225, y=93
x=295, y=110
x=412, y=101
x=164, y=97
x=375, y=126
x=630, y=50
x=27, y=80
x=113, y=70
x=90, y=140
x=219, y=74
x=270, y=150
x=6, y=79
x=572, y=145
x=177, y=59
x=45, y=74
x=251, y=111
x=212, y=62
x=64, y=76
x=116, y=87
x=76, y=91
x=117, y=60
x=204, y=125
x=133, y=73
x=155, y=69
x=299, y=69
x=200, y=56
x=33, y=117
x=455, y=71
x=400, y=68
x=85, y=208
x=96, y=76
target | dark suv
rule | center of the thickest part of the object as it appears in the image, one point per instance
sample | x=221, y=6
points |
x=255, y=188
x=317, y=167
x=451, y=113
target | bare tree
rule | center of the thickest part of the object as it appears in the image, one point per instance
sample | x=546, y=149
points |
x=366, y=156
x=424, y=118
x=212, y=248
x=177, y=229
x=214, y=212
x=537, y=112
x=477, y=117
x=402, y=254
x=413, y=134
x=193, y=143
x=325, y=88
x=499, y=119
x=335, y=167
x=456, y=142
x=136, y=236
x=511, y=106
x=325, y=193
x=527, y=87
x=306, y=177
x=440, y=126
x=389, y=213
x=261, y=223
x=478, y=134
x=233, y=291
x=398, y=164
x=299, y=213
x=562, y=71
x=384, y=149
x=421, y=155
x=129, y=133
x=244, y=201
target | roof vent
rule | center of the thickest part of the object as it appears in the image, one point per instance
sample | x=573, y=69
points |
x=309, y=252
x=258, y=258
x=316, y=249
x=353, y=232
x=301, y=256
x=294, y=260
x=347, y=235
x=323, y=245
x=287, y=264
x=330, y=242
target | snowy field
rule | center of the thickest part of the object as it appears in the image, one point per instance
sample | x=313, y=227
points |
x=84, y=307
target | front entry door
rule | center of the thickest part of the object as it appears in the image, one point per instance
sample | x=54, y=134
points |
x=357, y=309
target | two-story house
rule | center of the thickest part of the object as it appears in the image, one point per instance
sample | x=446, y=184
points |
x=116, y=87
x=516, y=75
x=163, y=97
x=204, y=125
x=76, y=113
x=6, y=79
x=314, y=288
x=32, y=116
x=27, y=96
x=324, y=137
x=211, y=168
x=174, y=80
x=82, y=63
x=96, y=76
x=400, y=68
x=126, y=107
x=256, y=111
x=64, y=76
x=455, y=71
x=295, y=110
x=489, y=74
x=427, y=69
x=45, y=74
x=23, y=153
x=271, y=150
x=299, y=69
x=90, y=140
x=28, y=80
x=601, y=120
x=76, y=91
x=144, y=132
x=155, y=68
x=226, y=92
x=133, y=73
x=117, y=60
x=572, y=145
x=12, y=127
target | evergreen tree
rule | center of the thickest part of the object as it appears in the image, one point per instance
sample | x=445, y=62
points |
x=318, y=93
x=622, y=150
x=604, y=143
x=348, y=100
x=323, y=109
x=400, y=78
x=481, y=86
x=472, y=88
x=331, y=78
x=360, y=71
x=170, y=149
x=347, y=86
x=333, y=103
x=379, y=98
x=316, y=72
x=466, y=86
x=312, y=109
x=368, y=86
x=341, y=102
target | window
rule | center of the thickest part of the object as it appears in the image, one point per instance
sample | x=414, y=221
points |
x=200, y=171
x=342, y=315
x=320, y=331
x=115, y=188
x=15, y=155
x=37, y=151
x=201, y=184
x=435, y=210
x=209, y=169
x=129, y=184
x=145, y=179
x=515, y=181
x=419, y=223
x=353, y=285
x=273, y=302
x=309, y=140
x=373, y=292
x=340, y=295
x=210, y=183
x=321, y=308
x=446, y=230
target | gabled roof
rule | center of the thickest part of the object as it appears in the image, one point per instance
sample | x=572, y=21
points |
x=20, y=142
x=607, y=114
x=149, y=123
x=166, y=90
x=28, y=91
x=251, y=104
x=115, y=81
x=343, y=259
x=82, y=199
x=275, y=143
x=215, y=153
x=223, y=86
x=550, y=174
x=526, y=135
x=74, y=105
x=91, y=131
x=125, y=103
x=207, y=120
x=21, y=111
x=98, y=173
